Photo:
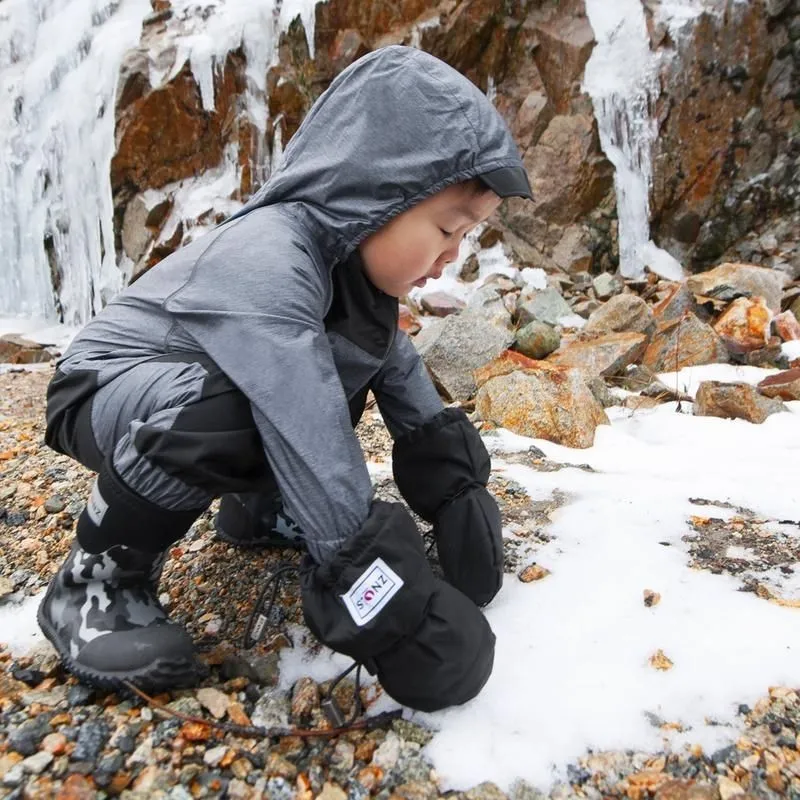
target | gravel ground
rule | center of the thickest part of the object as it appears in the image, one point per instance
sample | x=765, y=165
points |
x=60, y=739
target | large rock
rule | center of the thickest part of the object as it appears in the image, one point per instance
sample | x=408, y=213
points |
x=624, y=312
x=787, y=326
x=544, y=306
x=603, y=355
x=784, y=385
x=734, y=401
x=547, y=402
x=744, y=325
x=489, y=302
x=674, y=305
x=456, y=346
x=15, y=349
x=686, y=342
x=729, y=281
x=704, y=154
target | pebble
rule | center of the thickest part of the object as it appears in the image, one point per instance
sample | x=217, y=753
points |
x=38, y=762
x=54, y=504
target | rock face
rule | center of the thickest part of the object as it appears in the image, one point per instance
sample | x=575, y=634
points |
x=726, y=154
x=727, y=120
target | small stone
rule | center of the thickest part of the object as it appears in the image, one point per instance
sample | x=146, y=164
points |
x=603, y=355
x=471, y=269
x=660, y=661
x=542, y=306
x=387, y=753
x=54, y=504
x=214, y=755
x=485, y=791
x=80, y=695
x=272, y=710
x=728, y=788
x=624, y=312
x=214, y=700
x=305, y=699
x=537, y=340
x=6, y=587
x=278, y=766
x=37, y=763
x=54, y=743
x=330, y=791
x=605, y=285
x=92, y=737
x=651, y=598
x=441, y=304
x=533, y=572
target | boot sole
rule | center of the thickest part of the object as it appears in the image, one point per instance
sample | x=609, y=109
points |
x=259, y=544
x=160, y=674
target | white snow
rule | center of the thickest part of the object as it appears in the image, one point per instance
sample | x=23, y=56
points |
x=572, y=663
x=791, y=349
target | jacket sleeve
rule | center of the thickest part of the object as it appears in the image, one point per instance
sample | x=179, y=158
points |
x=260, y=318
x=403, y=389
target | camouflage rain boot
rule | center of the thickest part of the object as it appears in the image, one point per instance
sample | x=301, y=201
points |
x=102, y=615
x=257, y=521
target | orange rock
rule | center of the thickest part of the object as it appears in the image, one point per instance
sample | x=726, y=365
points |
x=787, y=326
x=744, y=326
x=77, y=787
x=507, y=362
x=785, y=385
x=196, y=731
x=407, y=321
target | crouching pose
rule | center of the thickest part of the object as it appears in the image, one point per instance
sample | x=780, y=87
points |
x=238, y=367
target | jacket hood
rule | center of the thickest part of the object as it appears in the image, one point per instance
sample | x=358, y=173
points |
x=395, y=127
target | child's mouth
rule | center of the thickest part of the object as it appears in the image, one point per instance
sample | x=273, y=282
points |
x=421, y=282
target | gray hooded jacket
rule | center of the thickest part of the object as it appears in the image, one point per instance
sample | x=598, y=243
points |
x=394, y=128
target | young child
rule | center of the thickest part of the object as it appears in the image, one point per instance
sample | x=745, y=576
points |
x=239, y=367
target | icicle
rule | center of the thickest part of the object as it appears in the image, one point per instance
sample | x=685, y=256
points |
x=622, y=79
x=59, y=62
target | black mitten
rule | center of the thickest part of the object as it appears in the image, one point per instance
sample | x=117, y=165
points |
x=378, y=601
x=442, y=469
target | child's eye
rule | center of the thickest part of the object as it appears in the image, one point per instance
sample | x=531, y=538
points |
x=446, y=233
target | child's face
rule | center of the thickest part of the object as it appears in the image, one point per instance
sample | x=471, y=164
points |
x=419, y=243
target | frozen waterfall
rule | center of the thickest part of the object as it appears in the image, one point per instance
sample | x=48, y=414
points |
x=59, y=62
x=622, y=79
x=59, y=66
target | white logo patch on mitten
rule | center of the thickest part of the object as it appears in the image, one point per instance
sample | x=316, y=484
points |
x=371, y=591
x=97, y=506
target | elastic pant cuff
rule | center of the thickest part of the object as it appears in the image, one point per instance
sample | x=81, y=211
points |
x=116, y=515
